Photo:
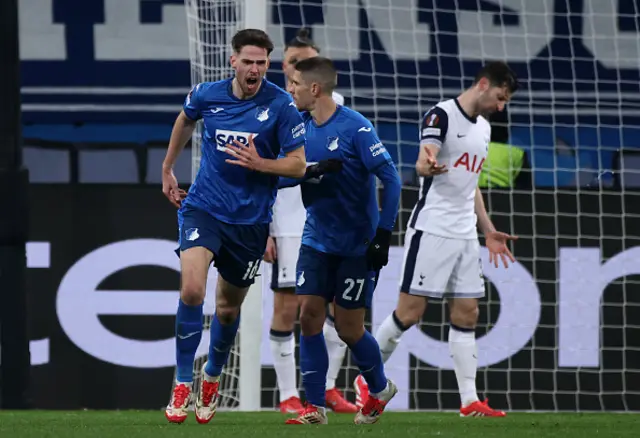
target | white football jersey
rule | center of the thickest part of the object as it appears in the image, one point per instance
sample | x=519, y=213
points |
x=446, y=206
x=289, y=213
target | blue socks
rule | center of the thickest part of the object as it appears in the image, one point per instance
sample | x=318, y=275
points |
x=222, y=339
x=188, y=335
x=366, y=353
x=314, y=364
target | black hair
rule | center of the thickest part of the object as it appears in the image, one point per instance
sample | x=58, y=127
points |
x=302, y=40
x=499, y=75
x=251, y=37
x=319, y=69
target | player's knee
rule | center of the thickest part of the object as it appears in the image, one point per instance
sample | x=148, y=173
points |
x=349, y=333
x=312, y=316
x=410, y=309
x=192, y=293
x=227, y=314
x=466, y=317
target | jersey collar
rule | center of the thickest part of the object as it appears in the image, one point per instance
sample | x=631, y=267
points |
x=466, y=116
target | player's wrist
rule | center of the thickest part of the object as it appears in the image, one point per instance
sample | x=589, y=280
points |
x=262, y=165
x=423, y=169
x=488, y=230
x=383, y=235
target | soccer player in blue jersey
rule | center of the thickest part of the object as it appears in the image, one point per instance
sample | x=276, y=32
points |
x=345, y=240
x=225, y=216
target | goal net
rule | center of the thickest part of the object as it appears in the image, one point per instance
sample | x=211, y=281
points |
x=559, y=330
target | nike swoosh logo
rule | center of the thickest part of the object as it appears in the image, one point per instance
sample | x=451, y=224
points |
x=285, y=354
x=188, y=335
x=462, y=135
x=307, y=372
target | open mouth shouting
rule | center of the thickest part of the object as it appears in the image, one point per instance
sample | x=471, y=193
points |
x=252, y=83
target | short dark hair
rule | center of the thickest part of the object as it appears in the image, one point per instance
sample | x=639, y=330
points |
x=302, y=40
x=499, y=75
x=251, y=37
x=319, y=69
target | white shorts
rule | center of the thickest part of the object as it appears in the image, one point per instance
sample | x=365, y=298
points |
x=283, y=274
x=441, y=267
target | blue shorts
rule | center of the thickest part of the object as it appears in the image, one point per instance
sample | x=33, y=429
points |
x=347, y=280
x=237, y=249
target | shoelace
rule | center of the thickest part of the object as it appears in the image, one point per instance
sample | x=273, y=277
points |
x=208, y=390
x=180, y=394
x=373, y=407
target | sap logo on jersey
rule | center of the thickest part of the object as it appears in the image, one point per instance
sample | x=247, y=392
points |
x=225, y=137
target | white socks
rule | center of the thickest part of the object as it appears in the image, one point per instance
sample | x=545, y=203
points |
x=336, y=349
x=462, y=346
x=388, y=336
x=284, y=362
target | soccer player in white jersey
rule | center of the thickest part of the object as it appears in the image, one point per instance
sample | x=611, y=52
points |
x=442, y=251
x=283, y=247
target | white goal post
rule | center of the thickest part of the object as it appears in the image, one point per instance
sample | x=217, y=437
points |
x=211, y=24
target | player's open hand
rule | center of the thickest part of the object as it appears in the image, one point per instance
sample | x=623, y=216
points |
x=434, y=167
x=245, y=155
x=170, y=188
x=428, y=166
x=496, y=243
x=270, y=254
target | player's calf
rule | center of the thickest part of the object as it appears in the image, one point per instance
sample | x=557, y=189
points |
x=336, y=349
x=314, y=360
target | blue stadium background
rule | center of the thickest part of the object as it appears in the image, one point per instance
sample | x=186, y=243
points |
x=98, y=110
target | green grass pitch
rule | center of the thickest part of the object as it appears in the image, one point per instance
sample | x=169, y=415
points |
x=143, y=424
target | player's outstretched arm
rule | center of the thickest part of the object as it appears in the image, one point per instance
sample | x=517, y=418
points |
x=292, y=165
x=427, y=165
x=314, y=170
x=181, y=133
x=495, y=241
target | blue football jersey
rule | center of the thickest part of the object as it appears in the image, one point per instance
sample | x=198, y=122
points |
x=229, y=192
x=342, y=208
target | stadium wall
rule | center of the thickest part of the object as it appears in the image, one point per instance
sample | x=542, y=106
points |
x=115, y=70
x=102, y=284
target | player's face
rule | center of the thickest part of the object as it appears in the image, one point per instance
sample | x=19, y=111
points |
x=491, y=98
x=293, y=55
x=250, y=64
x=302, y=92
